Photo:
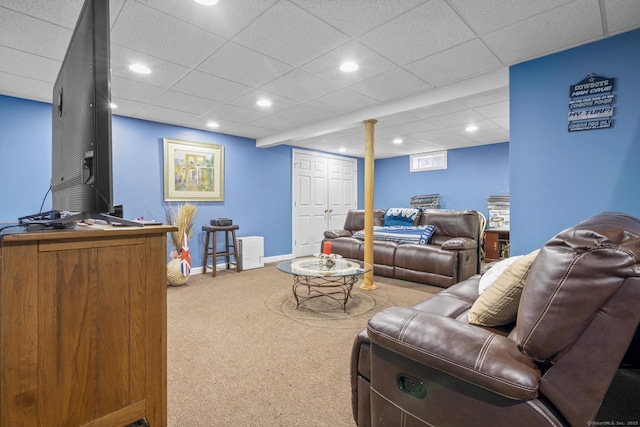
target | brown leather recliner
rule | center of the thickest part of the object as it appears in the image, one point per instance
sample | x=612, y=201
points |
x=427, y=366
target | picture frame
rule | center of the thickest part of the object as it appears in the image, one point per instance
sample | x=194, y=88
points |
x=193, y=171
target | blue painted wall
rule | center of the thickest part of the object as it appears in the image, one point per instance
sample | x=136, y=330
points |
x=559, y=178
x=471, y=176
x=257, y=181
x=25, y=157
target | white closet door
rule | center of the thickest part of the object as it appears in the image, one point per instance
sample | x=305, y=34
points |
x=342, y=191
x=324, y=189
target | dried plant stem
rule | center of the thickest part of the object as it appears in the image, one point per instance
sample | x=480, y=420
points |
x=180, y=216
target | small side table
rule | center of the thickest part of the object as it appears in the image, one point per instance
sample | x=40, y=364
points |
x=211, y=230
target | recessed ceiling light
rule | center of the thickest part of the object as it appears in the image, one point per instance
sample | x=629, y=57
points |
x=213, y=125
x=207, y=2
x=349, y=66
x=342, y=149
x=471, y=128
x=113, y=106
x=264, y=103
x=397, y=141
x=139, y=68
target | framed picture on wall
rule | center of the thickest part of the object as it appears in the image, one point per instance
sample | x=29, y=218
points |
x=193, y=171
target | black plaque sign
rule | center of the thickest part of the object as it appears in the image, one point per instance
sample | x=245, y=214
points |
x=591, y=104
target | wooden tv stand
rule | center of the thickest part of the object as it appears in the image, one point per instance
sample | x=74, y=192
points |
x=83, y=327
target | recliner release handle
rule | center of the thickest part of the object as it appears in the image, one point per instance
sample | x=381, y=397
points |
x=412, y=386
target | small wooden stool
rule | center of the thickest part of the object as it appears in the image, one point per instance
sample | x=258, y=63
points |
x=212, y=250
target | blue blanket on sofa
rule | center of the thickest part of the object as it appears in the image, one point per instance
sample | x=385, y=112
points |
x=419, y=234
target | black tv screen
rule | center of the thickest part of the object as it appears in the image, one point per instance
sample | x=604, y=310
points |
x=81, y=179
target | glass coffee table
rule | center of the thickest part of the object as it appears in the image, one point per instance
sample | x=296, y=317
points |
x=324, y=276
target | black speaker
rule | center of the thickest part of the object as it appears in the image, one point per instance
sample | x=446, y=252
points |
x=221, y=222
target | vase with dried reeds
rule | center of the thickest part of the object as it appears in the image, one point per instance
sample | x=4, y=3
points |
x=180, y=216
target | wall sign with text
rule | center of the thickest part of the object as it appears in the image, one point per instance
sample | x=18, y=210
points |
x=591, y=104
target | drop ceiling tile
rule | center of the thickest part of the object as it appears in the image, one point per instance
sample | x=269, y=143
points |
x=425, y=147
x=236, y=114
x=421, y=32
x=342, y=101
x=624, y=16
x=145, y=29
x=227, y=18
x=126, y=107
x=454, y=141
x=356, y=17
x=407, y=141
x=63, y=13
x=463, y=61
x=226, y=126
x=491, y=111
x=306, y=113
x=396, y=119
x=409, y=144
x=249, y=100
x=490, y=136
x=163, y=73
x=410, y=128
x=277, y=123
x=482, y=125
x=26, y=65
x=197, y=83
x=453, y=119
x=251, y=131
x=301, y=86
x=328, y=65
x=439, y=109
x=18, y=86
x=242, y=65
x=340, y=137
x=489, y=15
x=115, y=7
x=133, y=90
x=503, y=122
x=32, y=35
x=164, y=115
x=295, y=36
x=430, y=136
x=569, y=25
x=394, y=84
x=183, y=102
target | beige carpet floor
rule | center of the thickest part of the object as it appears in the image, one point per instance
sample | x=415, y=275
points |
x=241, y=354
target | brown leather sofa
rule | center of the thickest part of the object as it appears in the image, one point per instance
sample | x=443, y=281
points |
x=452, y=254
x=427, y=366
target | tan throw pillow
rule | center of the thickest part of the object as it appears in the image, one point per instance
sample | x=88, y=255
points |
x=498, y=305
x=491, y=275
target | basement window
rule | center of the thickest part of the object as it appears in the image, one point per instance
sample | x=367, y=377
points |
x=428, y=161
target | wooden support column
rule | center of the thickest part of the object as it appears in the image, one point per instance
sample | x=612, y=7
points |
x=368, y=284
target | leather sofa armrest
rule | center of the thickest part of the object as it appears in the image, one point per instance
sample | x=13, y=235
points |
x=333, y=234
x=459, y=243
x=464, y=351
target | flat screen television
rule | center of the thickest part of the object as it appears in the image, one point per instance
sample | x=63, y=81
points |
x=81, y=180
